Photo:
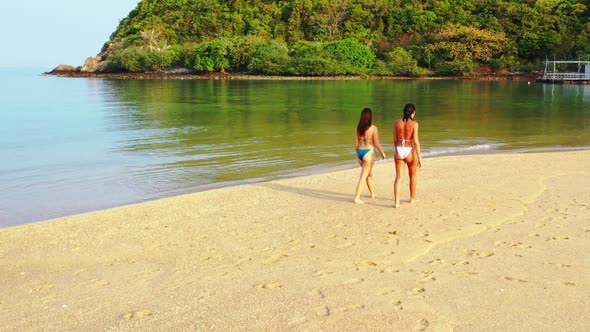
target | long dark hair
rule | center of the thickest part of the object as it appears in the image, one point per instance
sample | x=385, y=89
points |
x=408, y=110
x=365, y=121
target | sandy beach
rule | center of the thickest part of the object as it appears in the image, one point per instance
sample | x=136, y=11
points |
x=495, y=243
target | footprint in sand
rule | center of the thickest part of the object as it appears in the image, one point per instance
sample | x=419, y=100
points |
x=520, y=245
x=148, y=272
x=270, y=285
x=322, y=273
x=516, y=280
x=557, y=264
x=323, y=311
x=461, y=263
x=80, y=271
x=437, y=261
x=359, y=264
x=427, y=276
x=46, y=300
x=204, y=295
x=421, y=325
x=316, y=293
x=40, y=287
x=267, y=249
x=387, y=253
x=137, y=314
x=94, y=283
x=517, y=245
x=416, y=291
x=541, y=224
x=385, y=291
x=297, y=321
x=242, y=260
x=303, y=246
x=351, y=308
x=426, y=279
x=275, y=258
x=555, y=238
x=354, y=281
x=480, y=254
x=397, y=305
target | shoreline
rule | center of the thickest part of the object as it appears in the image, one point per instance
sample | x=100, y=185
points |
x=507, y=234
x=243, y=76
x=295, y=173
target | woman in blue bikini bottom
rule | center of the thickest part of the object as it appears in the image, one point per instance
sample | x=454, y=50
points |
x=362, y=152
x=366, y=145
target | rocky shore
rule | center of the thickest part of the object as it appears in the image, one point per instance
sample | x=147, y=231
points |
x=245, y=76
x=94, y=68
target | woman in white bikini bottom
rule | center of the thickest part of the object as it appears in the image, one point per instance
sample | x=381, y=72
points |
x=403, y=150
x=407, y=152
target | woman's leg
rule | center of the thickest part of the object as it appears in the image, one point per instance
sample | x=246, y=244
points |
x=399, y=169
x=370, y=184
x=413, y=173
x=365, y=171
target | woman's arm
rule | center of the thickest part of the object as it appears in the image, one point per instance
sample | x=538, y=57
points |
x=417, y=143
x=356, y=147
x=394, y=136
x=377, y=142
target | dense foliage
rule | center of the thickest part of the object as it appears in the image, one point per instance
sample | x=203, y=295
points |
x=335, y=37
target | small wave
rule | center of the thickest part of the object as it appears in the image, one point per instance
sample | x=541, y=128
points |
x=471, y=149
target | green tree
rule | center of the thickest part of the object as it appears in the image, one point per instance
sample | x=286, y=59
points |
x=401, y=62
x=241, y=51
x=210, y=56
x=352, y=54
x=478, y=31
x=270, y=58
x=460, y=42
x=137, y=60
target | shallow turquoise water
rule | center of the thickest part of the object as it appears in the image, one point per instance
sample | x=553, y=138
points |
x=72, y=145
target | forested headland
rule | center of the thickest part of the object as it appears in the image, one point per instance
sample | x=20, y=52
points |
x=348, y=37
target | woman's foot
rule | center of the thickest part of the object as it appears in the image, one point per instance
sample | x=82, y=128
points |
x=358, y=201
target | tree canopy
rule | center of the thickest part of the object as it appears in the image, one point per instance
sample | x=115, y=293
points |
x=335, y=37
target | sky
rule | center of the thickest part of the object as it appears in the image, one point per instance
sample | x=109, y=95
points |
x=45, y=34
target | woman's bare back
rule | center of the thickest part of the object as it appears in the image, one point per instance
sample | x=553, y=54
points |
x=403, y=130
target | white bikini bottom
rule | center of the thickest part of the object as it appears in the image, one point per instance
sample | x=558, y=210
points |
x=403, y=151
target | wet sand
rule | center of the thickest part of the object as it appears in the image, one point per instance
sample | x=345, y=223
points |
x=496, y=242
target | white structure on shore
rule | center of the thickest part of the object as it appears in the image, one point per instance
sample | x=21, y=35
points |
x=553, y=74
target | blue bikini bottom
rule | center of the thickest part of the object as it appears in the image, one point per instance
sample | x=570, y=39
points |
x=362, y=152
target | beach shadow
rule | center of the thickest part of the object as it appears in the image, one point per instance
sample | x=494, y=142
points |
x=321, y=194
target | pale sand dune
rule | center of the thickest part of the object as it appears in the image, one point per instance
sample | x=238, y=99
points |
x=496, y=243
